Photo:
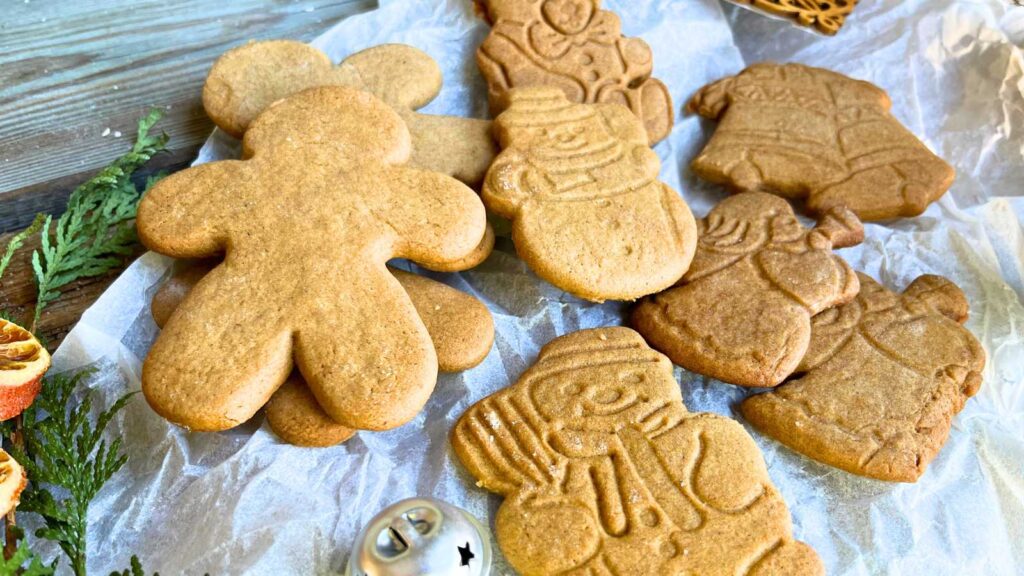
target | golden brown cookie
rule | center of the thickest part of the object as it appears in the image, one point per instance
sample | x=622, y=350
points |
x=826, y=16
x=581, y=187
x=247, y=79
x=604, y=471
x=803, y=132
x=742, y=314
x=577, y=47
x=294, y=415
x=460, y=326
x=882, y=380
x=307, y=221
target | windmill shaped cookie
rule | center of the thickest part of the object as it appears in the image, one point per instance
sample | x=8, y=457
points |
x=244, y=81
x=882, y=381
x=307, y=222
x=577, y=47
x=604, y=471
x=459, y=325
x=803, y=132
x=581, y=187
x=742, y=314
x=825, y=16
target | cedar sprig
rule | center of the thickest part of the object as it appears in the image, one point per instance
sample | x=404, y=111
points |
x=96, y=231
x=16, y=565
x=65, y=451
x=17, y=241
x=135, y=570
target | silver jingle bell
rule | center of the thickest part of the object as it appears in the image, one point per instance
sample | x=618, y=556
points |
x=421, y=537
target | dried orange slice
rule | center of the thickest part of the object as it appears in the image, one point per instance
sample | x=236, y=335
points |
x=12, y=482
x=23, y=361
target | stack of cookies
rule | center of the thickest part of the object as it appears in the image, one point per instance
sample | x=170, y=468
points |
x=602, y=467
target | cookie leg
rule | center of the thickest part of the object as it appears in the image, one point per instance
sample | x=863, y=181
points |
x=296, y=418
x=368, y=359
x=212, y=376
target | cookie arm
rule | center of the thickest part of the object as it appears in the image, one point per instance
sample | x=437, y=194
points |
x=186, y=214
x=436, y=219
x=711, y=100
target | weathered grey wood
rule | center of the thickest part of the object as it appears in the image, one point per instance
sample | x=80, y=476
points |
x=71, y=69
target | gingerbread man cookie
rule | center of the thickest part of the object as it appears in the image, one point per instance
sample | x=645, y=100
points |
x=604, y=471
x=577, y=47
x=581, y=187
x=742, y=313
x=247, y=79
x=882, y=380
x=307, y=221
x=803, y=132
x=459, y=325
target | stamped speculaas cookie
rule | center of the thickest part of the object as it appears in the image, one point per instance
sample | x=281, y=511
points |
x=803, y=132
x=742, y=313
x=604, y=471
x=307, y=222
x=581, y=187
x=247, y=79
x=577, y=47
x=882, y=380
x=826, y=16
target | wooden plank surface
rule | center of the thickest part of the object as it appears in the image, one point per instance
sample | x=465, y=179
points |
x=71, y=70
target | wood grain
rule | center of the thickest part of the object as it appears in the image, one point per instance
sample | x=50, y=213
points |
x=71, y=70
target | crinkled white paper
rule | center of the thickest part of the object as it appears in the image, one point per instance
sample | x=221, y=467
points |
x=243, y=502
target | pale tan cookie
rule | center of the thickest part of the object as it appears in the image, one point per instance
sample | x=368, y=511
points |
x=577, y=47
x=810, y=133
x=826, y=16
x=882, y=380
x=604, y=471
x=247, y=79
x=581, y=187
x=742, y=314
x=307, y=222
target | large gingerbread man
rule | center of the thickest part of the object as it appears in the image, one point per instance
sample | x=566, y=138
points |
x=742, y=313
x=882, y=380
x=307, y=222
x=604, y=471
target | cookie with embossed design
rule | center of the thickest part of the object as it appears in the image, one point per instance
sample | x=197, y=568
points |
x=604, y=471
x=881, y=382
x=576, y=46
x=742, y=313
x=581, y=187
x=813, y=134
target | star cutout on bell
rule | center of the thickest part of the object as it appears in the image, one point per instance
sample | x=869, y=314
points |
x=465, y=555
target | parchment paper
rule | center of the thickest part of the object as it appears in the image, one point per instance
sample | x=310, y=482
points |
x=243, y=502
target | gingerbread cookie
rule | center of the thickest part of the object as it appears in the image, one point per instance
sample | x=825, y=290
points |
x=581, y=187
x=803, y=132
x=826, y=16
x=460, y=326
x=307, y=222
x=577, y=47
x=883, y=378
x=742, y=314
x=247, y=79
x=604, y=471
x=294, y=415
